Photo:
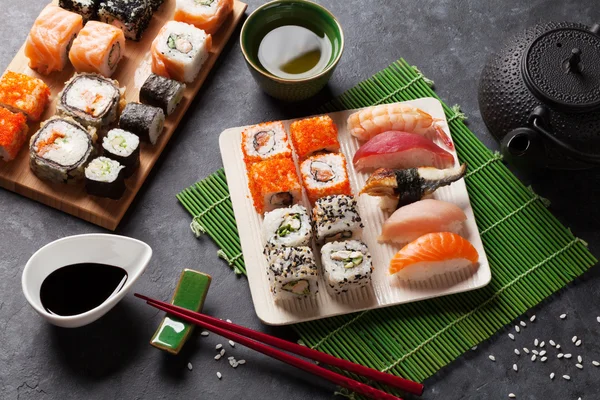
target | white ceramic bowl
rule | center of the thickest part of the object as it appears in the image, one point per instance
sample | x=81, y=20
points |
x=130, y=254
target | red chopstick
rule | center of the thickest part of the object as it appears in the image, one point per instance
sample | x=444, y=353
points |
x=229, y=330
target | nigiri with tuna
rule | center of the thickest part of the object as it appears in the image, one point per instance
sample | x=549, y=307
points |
x=394, y=149
x=417, y=219
x=433, y=254
x=400, y=187
x=370, y=122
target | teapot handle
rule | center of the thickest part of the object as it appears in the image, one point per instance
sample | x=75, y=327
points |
x=539, y=118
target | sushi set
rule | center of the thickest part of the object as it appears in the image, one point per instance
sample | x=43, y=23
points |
x=351, y=211
x=91, y=99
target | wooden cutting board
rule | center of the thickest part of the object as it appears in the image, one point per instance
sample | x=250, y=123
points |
x=131, y=73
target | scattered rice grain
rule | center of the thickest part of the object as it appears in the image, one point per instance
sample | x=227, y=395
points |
x=523, y=324
x=517, y=352
x=219, y=375
x=557, y=346
x=579, y=359
x=204, y=333
x=543, y=353
x=542, y=344
x=536, y=342
x=218, y=347
x=190, y=366
x=228, y=320
x=579, y=366
x=574, y=339
x=560, y=355
x=232, y=343
x=578, y=343
x=512, y=395
x=567, y=377
x=474, y=348
x=515, y=367
x=552, y=376
x=598, y=319
x=532, y=318
x=534, y=351
x=218, y=357
x=533, y=357
x=563, y=316
x=222, y=352
x=552, y=343
x=517, y=329
x=526, y=350
x=491, y=357
x=242, y=362
x=568, y=355
x=511, y=336
x=596, y=363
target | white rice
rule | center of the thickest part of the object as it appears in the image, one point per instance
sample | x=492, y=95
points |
x=120, y=142
x=103, y=169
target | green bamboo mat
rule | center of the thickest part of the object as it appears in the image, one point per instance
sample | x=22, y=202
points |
x=531, y=254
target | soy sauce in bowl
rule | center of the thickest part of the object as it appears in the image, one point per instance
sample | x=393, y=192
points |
x=77, y=288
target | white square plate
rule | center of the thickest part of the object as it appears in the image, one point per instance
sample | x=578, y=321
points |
x=385, y=290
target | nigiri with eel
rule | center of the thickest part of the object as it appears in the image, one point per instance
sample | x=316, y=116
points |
x=399, y=187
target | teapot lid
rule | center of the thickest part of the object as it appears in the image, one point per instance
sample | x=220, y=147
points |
x=562, y=68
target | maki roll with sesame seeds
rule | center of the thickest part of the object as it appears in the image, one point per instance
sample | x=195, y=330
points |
x=132, y=16
x=293, y=273
x=124, y=147
x=346, y=265
x=287, y=227
x=162, y=92
x=145, y=121
x=263, y=141
x=60, y=150
x=336, y=217
x=324, y=175
x=313, y=135
x=88, y=9
x=105, y=178
x=155, y=4
x=90, y=99
x=274, y=184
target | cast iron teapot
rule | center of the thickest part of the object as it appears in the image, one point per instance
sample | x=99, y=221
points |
x=540, y=97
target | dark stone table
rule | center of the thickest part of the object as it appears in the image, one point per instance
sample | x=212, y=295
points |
x=111, y=359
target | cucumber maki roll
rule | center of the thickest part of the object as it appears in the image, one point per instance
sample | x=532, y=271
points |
x=124, y=147
x=132, y=16
x=162, y=92
x=346, y=265
x=105, y=178
x=143, y=120
x=60, y=150
x=287, y=226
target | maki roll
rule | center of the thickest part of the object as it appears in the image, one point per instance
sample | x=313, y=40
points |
x=60, y=150
x=263, y=141
x=207, y=15
x=88, y=9
x=124, y=147
x=346, y=265
x=273, y=184
x=105, y=178
x=336, y=217
x=90, y=99
x=98, y=48
x=179, y=51
x=313, y=135
x=48, y=42
x=287, y=227
x=25, y=94
x=324, y=175
x=162, y=92
x=293, y=273
x=155, y=4
x=13, y=133
x=145, y=121
x=132, y=16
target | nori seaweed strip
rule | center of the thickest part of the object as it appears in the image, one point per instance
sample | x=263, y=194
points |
x=137, y=118
x=409, y=187
x=158, y=91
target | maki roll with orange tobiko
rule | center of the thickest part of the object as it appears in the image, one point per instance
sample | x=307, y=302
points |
x=264, y=141
x=24, y=93
x=273, y=184
x=13, y=133
x=325, y=175
x=313, y=135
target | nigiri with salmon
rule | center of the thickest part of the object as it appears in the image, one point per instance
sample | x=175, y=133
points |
x=47, y=46
x=394, y=149
x=98, y=48
x=433, y=254
x=371, y=121
x=417, y=219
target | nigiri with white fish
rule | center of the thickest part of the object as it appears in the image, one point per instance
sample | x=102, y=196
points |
x=417, y=219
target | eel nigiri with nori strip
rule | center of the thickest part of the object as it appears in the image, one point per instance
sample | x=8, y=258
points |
x=406, y=186
x=143, y=120
x=105, y=178
x=124, y=147
x=162, y=92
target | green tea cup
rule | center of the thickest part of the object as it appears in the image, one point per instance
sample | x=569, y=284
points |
x=280, y=13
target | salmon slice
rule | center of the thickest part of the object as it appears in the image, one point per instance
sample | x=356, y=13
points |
x=48, y=43
x=207, y=15
x=98, y=48
x=433, y=254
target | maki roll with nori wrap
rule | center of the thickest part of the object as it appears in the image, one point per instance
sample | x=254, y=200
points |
x=124, y=147
x=90, y=99
x=162, y=92
x=132, y=16
x=143, y=120
x=60, y=150
x=88, y=9
x=105, y=178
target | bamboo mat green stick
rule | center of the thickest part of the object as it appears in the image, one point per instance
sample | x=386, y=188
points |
x=531, y=254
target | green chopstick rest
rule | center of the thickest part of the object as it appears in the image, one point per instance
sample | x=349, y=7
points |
x=190, y=293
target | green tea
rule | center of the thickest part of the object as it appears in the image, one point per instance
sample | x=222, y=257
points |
x=294, y=52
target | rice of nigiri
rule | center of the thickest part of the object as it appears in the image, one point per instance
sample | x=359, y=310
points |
x=433, y=254
x=47, y=45
x=417, y=219
x=401, y=150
